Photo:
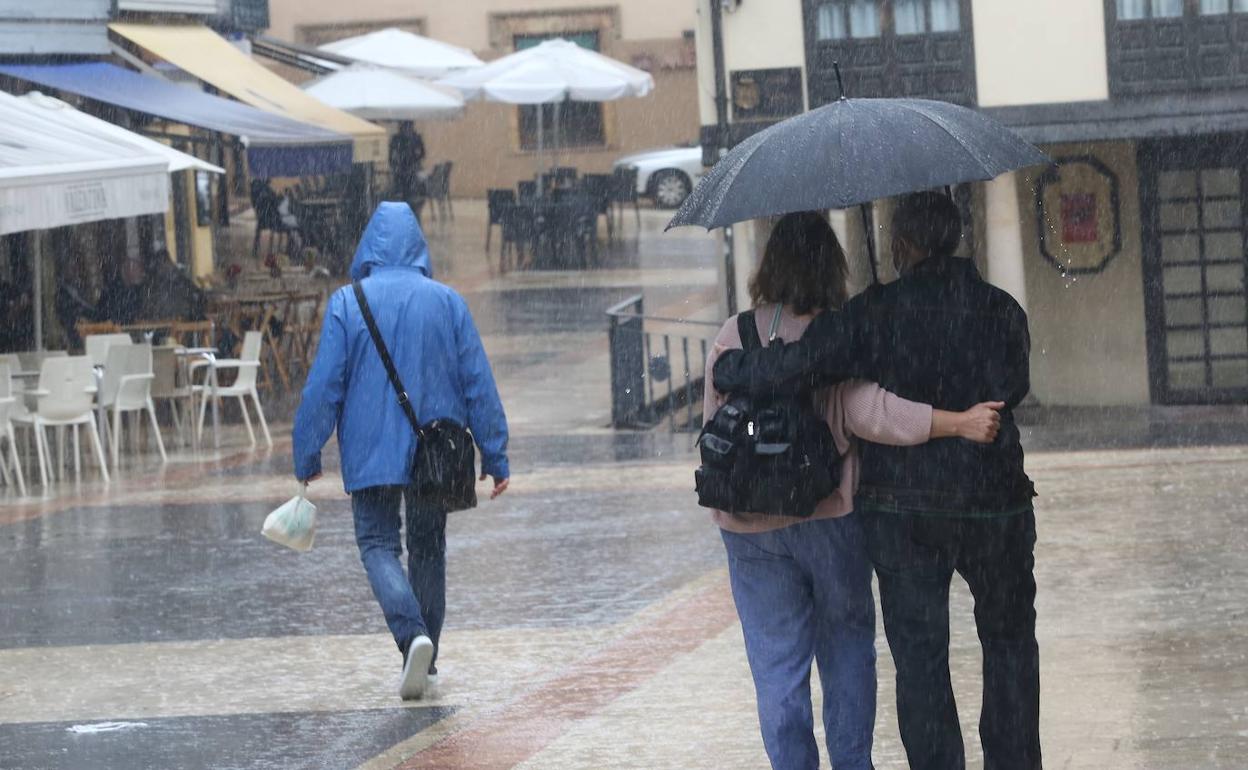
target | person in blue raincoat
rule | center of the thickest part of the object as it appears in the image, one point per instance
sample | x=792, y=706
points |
x=438, y=353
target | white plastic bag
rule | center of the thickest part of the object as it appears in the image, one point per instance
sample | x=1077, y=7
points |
x=294, y=523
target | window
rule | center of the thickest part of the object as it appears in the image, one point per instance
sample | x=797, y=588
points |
x=1170, y=46
x=910, y=17
x=320, y=34
x=918, y=17
x=914, y=48
x=864, y=18
x=569, y=124
x=946, y=16
x=1221, y=7
x=1131, y=10
x=841, y=19
x=830, y=22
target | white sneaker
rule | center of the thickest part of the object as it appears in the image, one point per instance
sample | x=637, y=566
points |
x=416, y=669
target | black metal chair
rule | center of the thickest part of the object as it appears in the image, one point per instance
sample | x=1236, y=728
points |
x=438, y=186
x=598, y=188
x=564, y=176
x=495, y=200
x=528, y=190
x=624, y=190
x=519, y=223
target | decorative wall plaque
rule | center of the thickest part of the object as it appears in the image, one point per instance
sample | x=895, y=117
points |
x=1079, y=215
x=770, y=94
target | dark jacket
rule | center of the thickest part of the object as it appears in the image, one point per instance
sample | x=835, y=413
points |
x=940, y=335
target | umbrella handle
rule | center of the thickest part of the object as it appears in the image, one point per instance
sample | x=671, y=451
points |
x=869, y=227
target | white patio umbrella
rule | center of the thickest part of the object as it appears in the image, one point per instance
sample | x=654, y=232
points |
x=374, y=93
x=405, y=51
x=552, y=72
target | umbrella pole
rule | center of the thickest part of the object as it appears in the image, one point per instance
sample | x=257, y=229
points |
x=541, y=144
x=869, y=228
x=36, y=253
x=558, y=132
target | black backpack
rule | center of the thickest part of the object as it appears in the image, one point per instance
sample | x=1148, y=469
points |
x=766, y=455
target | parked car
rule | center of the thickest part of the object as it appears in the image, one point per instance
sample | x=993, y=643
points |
x=666, y=175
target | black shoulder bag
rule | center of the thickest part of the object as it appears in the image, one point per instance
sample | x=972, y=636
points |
x=444, y=471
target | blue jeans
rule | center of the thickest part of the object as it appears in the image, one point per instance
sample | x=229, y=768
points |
x=804, y=592
x=413, y=603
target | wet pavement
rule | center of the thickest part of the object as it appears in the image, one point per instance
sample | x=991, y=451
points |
x=590, y=624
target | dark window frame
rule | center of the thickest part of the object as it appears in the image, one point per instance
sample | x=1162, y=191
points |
x=1167, y=55
x=892, y=64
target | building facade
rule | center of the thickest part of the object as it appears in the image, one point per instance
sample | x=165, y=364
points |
x=494, y=145
x=1129, y=253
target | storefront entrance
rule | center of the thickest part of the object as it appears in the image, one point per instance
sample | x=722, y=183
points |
x=1193, y=195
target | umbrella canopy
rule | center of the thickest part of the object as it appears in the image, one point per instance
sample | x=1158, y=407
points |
x=850, y=152
x=405, y=51
x=552, y=71
x=373, y=93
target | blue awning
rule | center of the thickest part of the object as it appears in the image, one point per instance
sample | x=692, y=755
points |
x=276, y=145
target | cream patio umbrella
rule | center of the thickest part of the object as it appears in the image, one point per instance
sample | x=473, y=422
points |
x=376, y=93
x=552, y=72
x=407, y=51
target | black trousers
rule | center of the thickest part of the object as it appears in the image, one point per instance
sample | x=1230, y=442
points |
x=915, y=558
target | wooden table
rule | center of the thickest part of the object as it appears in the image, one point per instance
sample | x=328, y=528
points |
x=257, y=313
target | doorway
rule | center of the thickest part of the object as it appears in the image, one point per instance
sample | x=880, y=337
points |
x=1192, y=195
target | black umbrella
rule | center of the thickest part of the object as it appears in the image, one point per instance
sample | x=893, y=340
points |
x=853, y=151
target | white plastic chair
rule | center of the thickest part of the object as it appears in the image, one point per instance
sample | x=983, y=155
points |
x=247, y=365
x=126, y=388
x=7, y=404
x=96, y=346
x=168, y=384
x=66, y=396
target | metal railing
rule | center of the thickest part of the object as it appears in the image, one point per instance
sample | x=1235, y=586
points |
x=657, y=367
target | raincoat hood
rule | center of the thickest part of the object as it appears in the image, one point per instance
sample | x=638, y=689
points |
x=393, y=238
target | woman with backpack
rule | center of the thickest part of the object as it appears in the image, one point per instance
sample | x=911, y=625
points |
x=802, y=586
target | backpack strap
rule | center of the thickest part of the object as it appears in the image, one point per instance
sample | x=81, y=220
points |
x=748, y=330
x=386, y=361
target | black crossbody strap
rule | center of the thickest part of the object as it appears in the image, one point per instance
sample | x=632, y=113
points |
x=386, y=361
x=748, y=330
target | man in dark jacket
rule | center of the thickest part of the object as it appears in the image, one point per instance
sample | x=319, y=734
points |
x=940, y=335
x=407, y=156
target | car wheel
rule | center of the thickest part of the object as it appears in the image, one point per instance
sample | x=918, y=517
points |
x=671, y=187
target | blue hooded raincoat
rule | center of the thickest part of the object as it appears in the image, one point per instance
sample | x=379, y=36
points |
x=436, y=349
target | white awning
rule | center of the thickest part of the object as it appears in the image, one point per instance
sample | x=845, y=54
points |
x=54, y=172
x=178, y=160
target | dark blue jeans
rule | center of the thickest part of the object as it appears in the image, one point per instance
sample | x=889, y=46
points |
x=413, y=603
x=915, y=557
x=803, y=593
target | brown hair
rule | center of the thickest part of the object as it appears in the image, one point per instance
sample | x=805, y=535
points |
x=930, y=221
x=803, y=266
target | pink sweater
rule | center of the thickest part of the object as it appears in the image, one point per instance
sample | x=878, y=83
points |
x=855, y=408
